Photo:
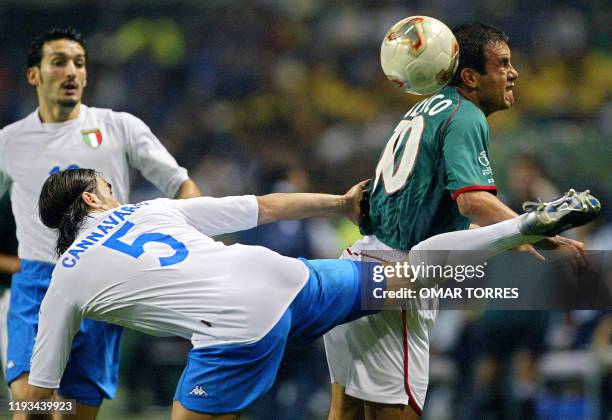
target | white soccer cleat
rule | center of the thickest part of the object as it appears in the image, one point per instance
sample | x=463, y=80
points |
x=570, y=210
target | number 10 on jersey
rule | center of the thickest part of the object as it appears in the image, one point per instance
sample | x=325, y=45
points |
x=394, y=176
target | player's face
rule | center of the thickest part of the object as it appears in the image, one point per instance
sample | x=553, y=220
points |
x=495, y=88
x=62, y=74
x=104, y=192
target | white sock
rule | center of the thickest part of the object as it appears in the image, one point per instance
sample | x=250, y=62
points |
x=484, y=243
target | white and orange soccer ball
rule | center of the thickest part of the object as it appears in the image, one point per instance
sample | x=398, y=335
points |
x=419, y=55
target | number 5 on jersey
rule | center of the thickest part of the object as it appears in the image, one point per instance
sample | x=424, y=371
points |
x=136, y=248
x=394, y=176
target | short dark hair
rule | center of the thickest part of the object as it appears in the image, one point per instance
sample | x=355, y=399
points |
x=35, y=53
x=473, y=39
x=60, y=205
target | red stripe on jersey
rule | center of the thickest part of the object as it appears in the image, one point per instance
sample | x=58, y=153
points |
x=411, y=401
x=474, y=188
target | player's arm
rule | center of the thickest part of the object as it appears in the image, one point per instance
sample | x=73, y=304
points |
x=59, y=322
x=147, y=154
x=290, y=206
x=5, y=180
x=469, y=176
x=188, y=189
x=483, y=208
x=216, y=216
x=468, y=173
x=9, y=264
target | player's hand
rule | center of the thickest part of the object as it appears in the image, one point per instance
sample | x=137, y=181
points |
x=353, y=199
x=531, y=250
x=572, y=251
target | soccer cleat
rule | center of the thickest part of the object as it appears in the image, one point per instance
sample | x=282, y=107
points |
x=570, y=210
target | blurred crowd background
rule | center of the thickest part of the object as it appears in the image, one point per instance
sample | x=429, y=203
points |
x=288, y=95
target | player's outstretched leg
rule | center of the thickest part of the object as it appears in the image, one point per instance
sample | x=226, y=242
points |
x=544, y=219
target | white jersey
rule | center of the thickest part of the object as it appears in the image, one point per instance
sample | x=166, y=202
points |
x=101, y=139
x=153, y=267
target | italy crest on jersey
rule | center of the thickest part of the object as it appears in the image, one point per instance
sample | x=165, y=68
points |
x=92, y=138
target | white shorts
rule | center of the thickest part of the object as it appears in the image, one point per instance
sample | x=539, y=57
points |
x=383, y=358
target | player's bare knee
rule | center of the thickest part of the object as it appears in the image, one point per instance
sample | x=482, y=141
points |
x=179, y=412
x=18, y=392
x=19, y=387
x=380, y=411
x=83, y=412
x=344, y=407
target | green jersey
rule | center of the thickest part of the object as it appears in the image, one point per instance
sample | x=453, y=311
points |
x=437, y=151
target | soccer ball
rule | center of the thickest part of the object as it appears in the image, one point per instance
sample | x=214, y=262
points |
x=419, y=55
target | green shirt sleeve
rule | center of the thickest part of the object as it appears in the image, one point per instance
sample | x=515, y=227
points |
x=466, y=153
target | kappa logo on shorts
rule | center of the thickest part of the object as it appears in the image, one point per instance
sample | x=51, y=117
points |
x=198, y=391
x=10, y=364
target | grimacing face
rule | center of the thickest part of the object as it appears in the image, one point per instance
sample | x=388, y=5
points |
x=62, y=74
x=495, y=86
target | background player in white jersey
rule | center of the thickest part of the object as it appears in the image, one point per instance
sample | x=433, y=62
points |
x=63, y=133
x=9, y=264
x=379, y=365
x=154, y=267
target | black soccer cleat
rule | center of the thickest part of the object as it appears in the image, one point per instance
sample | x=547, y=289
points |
x=570, y=210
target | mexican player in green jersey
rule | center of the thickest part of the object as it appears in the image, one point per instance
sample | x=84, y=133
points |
x=439, y=150
x=433, y=176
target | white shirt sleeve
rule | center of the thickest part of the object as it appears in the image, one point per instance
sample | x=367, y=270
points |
x=5, y=181
x=59, y=321
x=147, y=154
x=215, y=216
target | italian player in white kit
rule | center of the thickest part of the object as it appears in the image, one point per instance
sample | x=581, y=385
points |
x=154, y=267
x=63, y=133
